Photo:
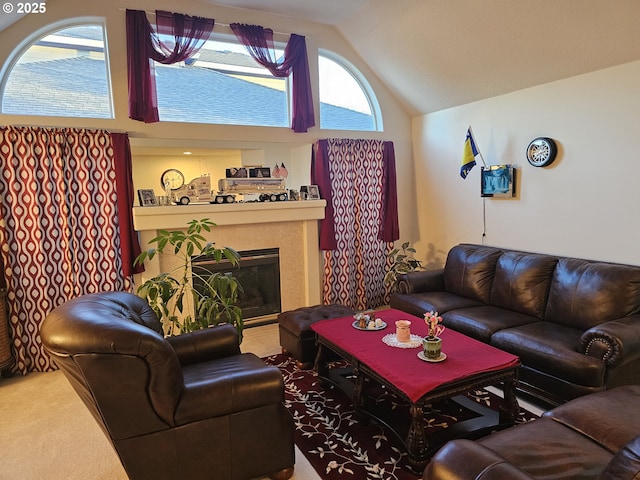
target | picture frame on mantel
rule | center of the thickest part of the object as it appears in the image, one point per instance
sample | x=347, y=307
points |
x=310, y=192
x=147, y=198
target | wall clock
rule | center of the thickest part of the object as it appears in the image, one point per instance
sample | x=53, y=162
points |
x=542, y=151
x=172, y=177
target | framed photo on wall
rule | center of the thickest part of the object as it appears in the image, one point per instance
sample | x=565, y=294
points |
x=147, y=198
x=497, y=181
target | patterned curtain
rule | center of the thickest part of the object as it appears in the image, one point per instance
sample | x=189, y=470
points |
x=58, y=227
x=354, y=177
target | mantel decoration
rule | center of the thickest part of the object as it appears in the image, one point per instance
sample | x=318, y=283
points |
x=432, y=343
x=172, y=294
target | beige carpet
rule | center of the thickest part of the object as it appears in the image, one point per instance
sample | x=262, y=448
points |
x=46, y=432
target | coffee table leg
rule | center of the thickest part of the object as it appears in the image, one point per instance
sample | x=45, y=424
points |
x=358, y=400
x=509, y=409
x=321, y=367
x=417, y=440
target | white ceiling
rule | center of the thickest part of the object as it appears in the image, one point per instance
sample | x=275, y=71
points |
x=436, y=54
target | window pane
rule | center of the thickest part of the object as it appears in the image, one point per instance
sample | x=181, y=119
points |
x=222, y=84
x=63, y=74
x=344, y=105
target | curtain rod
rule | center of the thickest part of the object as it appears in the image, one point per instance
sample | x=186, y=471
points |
x=216, y=22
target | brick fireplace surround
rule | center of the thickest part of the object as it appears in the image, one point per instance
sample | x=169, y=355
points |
x=290, y=226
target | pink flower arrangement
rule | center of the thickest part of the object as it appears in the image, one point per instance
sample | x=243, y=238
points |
x=434, y=323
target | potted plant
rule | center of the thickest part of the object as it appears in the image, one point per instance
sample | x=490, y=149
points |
x=172, y=294
x=402, y=261
x=432, y=343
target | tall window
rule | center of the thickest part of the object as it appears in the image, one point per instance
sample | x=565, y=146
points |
x=63, y=73
x=222, y=84
x=347, y=101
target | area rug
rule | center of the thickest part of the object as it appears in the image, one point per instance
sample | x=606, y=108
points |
x=338, y=446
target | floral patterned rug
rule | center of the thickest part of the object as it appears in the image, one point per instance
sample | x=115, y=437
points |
x=338, y=446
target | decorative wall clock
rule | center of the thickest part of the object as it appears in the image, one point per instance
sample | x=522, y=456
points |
x=172, y=177
x=542, y=151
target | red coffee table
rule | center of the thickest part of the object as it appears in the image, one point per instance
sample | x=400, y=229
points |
x=469, y=365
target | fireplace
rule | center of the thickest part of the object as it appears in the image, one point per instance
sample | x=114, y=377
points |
x=259, y=275
x=292, y=227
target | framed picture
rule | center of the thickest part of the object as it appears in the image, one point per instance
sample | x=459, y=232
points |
x=310, y=192
x=260, y=172
x=147, y=198
x=236, y=172
x=498, y=181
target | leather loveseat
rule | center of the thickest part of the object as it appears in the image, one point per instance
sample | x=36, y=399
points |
x=594, y=437
x=575, y=324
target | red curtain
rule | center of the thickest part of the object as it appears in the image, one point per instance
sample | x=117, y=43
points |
x=59, y=231
x=259, y=43
x=129, y=242
x=187, y=35
x=357, y=179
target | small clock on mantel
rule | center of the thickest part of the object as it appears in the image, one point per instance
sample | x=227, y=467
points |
x=172, y=177
x=542, y=151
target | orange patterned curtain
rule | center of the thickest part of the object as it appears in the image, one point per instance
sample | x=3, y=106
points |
x=356, y=261
x=58, y=229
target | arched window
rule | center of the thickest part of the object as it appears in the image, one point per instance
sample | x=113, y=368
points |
x=347, y=102
x=61, y=73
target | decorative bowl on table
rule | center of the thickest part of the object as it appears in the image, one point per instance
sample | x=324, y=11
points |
x=367, y=321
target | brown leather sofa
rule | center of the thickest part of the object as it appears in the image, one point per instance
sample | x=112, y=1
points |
x=575, y=324
x=185, y=407
x=594, y=437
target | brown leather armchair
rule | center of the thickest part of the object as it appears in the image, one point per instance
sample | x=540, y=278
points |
x=185, y=407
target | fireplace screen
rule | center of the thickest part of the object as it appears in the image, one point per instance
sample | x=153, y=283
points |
x=259, y=275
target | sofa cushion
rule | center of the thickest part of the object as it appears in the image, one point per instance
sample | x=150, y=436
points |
x=548, y=450
x=521, y=282
x=584, y=293
x=419, y=303
x=609, y=418
x=479, y=463
x=227, y=385
x=483, y=321
x=549, y=347
x=469, y=271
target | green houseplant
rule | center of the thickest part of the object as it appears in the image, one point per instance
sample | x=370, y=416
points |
x=172, y=294
x=402, y=261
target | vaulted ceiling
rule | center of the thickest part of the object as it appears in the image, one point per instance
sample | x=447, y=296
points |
x=436, y=54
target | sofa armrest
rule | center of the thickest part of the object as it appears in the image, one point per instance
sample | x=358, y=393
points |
x=625, y=464
x=207, y=344
x=466, y=459
x=421, y=281
x=615, y=342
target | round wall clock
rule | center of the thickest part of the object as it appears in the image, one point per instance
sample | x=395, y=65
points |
x=172, y=177
x=542, y=151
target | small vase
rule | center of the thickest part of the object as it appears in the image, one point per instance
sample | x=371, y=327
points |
x=403, y=334
x=432, y=347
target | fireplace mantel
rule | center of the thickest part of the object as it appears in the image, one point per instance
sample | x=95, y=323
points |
x=291, y=226
x=177, y=216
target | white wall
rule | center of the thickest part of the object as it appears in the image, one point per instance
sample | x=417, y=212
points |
x=586, y=204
